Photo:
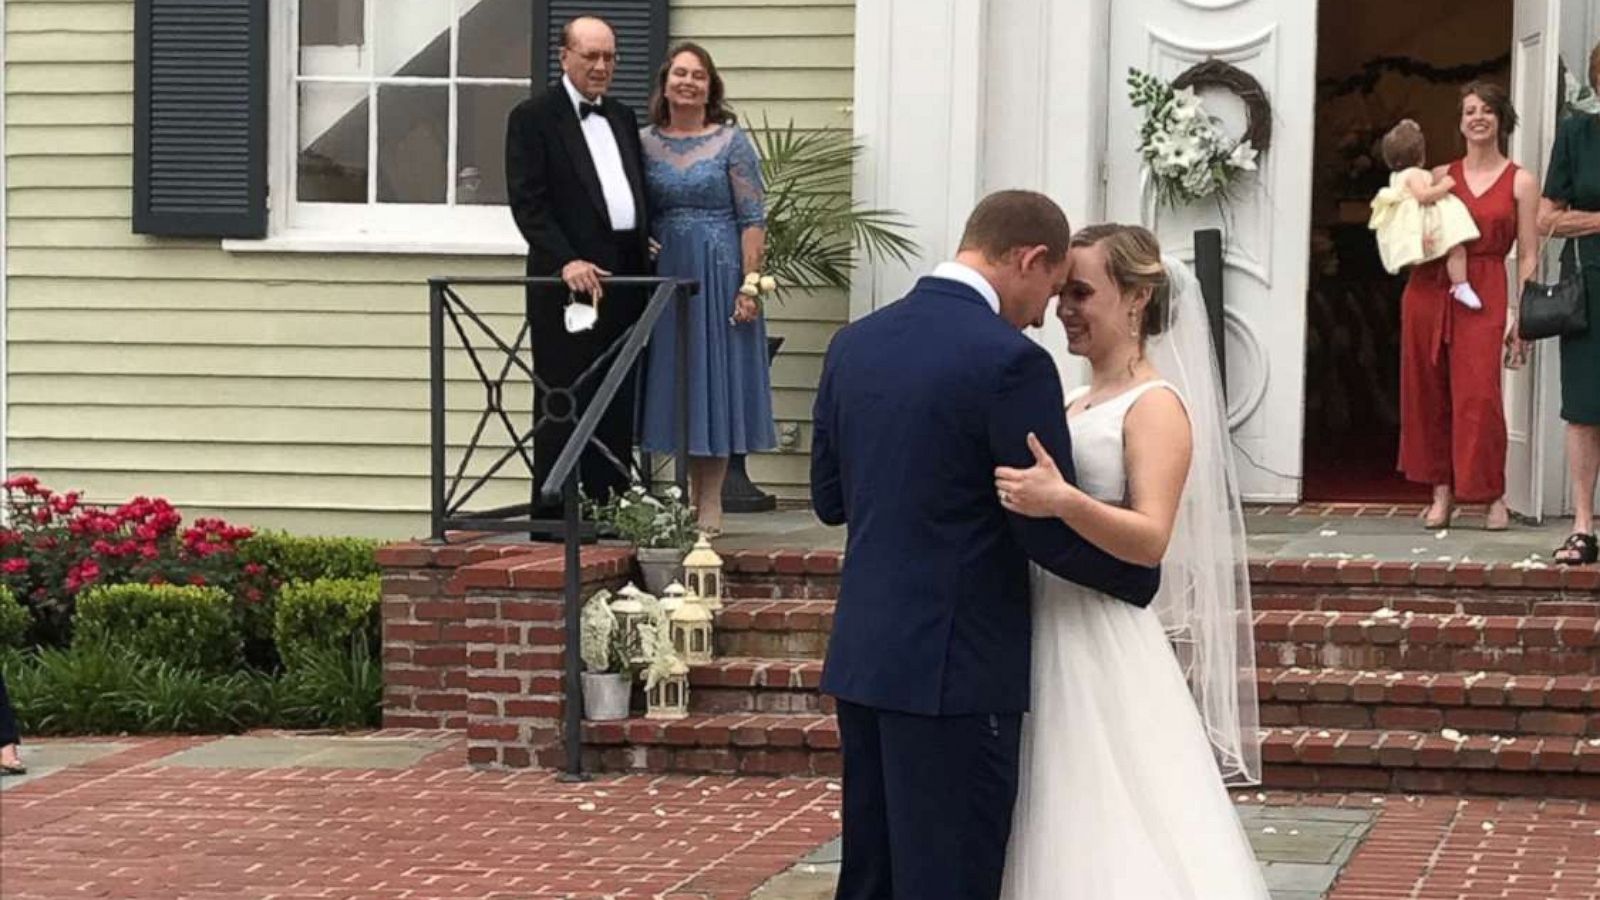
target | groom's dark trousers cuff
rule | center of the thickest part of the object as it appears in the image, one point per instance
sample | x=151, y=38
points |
x=927, y=803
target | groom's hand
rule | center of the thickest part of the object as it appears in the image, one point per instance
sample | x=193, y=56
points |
x=1038, y=491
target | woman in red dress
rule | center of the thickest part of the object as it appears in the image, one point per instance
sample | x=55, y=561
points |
x=1452, y=421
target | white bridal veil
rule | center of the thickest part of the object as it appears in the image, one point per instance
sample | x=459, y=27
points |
x=1204, y=602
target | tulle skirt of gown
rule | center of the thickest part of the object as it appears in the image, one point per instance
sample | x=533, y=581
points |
x=1120, y=797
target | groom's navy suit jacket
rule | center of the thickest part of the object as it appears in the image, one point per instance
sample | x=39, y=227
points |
x=919, y=402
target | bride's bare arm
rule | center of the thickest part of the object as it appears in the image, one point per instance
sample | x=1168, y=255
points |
x=1157, y=446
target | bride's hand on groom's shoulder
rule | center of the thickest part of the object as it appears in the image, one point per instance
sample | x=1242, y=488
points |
x=1038, y=491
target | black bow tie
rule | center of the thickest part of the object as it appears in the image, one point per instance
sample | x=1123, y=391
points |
x=585, y=108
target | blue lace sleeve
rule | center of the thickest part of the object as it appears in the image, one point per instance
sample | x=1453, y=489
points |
x=744, y=177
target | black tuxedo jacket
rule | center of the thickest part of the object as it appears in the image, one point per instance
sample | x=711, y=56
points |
x=554, y=190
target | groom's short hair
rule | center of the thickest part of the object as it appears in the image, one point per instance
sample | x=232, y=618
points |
x=1006, y=220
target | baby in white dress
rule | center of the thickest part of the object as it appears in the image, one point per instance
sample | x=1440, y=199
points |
x=1418, y=219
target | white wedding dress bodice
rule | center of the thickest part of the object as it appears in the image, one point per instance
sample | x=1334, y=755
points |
x=1119, y=796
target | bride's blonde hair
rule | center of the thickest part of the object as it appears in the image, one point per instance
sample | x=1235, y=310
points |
x=1133, y=260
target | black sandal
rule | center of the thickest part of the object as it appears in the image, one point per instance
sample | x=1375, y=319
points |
x=1581, y=549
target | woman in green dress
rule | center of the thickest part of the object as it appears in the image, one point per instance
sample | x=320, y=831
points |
x=1571, y=209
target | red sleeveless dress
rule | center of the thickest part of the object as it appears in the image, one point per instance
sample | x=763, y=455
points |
x=1452, y=419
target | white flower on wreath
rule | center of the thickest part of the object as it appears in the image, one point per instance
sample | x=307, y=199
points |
x=1243, y=157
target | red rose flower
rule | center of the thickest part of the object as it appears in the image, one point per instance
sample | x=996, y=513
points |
x=15, y=565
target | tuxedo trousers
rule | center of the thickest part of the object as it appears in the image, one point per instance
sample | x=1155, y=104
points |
x=562, y=360
x=927, y=803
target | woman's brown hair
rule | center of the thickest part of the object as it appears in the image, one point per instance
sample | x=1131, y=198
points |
x=1495, y=96
x=718, y=112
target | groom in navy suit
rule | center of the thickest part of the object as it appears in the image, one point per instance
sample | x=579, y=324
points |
x=929, y=658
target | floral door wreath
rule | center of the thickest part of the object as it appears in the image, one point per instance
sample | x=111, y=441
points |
x=1187, y=154
x=1214, y=73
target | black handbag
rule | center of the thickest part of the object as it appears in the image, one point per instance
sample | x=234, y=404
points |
x=1559, y=308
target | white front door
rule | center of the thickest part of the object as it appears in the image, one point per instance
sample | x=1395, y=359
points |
x=1532, y=391
x=1267, y=223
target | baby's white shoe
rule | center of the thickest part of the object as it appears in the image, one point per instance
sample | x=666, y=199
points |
x=1466, y=296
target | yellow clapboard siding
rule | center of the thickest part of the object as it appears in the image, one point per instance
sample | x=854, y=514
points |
x=272, y=330
x=75, y=77
x=61, y=46
x=71, y=109
x=214, y=389
x=289, y=390
x=66, y=203
x=76, y=17
x=821, y=306
x=779, y=51
x=70, y=140
x=79, y=171
x=734, y=22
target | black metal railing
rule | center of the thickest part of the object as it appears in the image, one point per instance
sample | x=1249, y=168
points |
x=553, y=404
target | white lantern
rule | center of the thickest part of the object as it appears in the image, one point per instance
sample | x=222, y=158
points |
x=691, y=631
x=672, y=598
x=669, y=698
x=702, y=573
x=631, y=611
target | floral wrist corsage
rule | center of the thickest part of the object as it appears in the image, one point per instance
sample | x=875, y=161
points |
x=756, y=284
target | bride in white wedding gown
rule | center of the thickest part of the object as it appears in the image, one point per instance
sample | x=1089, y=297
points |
x=1138, y=716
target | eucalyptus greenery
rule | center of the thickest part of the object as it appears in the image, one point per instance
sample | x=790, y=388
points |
x=814, y=228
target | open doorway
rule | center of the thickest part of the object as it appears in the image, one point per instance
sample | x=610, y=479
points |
x=1377, y=62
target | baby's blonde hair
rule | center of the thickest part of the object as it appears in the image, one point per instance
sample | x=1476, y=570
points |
x=1404, y=147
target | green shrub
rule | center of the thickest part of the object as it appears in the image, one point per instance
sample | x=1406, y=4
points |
x=15, y=620
x=288, y=557
x=100, y=689
x=189, y=627
x=326, y=613
x=330, y=687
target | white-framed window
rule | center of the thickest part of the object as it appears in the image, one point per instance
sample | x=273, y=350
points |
x=388, y=124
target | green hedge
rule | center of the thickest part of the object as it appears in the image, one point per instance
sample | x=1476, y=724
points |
x=15, y=620
x=334, y=613
x=184, y=626
x=290, y=558
x=97, y=689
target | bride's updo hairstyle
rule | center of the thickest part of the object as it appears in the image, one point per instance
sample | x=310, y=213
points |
x=1133, y=260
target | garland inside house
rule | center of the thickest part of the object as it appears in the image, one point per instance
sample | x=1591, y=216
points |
x=1373, y=69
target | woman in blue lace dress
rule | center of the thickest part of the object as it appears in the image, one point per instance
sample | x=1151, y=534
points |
x=707, y=214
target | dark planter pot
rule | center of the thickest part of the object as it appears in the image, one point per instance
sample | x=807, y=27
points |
x=739, y=495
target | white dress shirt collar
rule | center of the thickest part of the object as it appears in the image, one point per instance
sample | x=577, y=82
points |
x=970, y=277
x=577, y=98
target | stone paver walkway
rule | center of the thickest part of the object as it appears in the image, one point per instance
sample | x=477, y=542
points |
x=1273, y=534
x=397, y=815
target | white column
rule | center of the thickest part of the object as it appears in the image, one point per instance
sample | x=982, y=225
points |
x=919, y=111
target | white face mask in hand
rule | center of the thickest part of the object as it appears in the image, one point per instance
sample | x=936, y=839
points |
x=580, y=316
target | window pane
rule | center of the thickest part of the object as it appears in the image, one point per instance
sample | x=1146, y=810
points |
x=332, y=40
x=496, y=37
x=413, y=38
x=413, y=134
x=481, y=141
x=332, y=166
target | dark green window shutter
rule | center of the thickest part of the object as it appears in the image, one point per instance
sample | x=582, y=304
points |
x=641, y=27
x=200, y=118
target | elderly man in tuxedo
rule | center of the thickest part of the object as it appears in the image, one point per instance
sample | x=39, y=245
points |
x=577, y=192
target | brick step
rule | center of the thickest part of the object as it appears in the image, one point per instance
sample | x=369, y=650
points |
x=749, y=685
x=1403, y=761
x=1426, y=585
x=1381, y=640
x=1476, y=703
x=1429, y=642
x=742, y=744
x=774, y=629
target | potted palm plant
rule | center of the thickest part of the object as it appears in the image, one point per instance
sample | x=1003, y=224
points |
x=815, y=235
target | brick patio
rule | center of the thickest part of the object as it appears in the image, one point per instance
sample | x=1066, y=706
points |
x=172, y=817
